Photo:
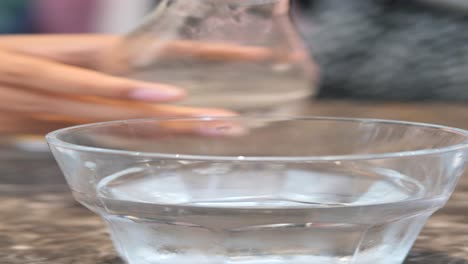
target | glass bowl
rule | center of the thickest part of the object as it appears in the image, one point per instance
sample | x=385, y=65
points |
x=251, y=190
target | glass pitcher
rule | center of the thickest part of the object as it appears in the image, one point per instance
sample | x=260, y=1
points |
x=242, y=55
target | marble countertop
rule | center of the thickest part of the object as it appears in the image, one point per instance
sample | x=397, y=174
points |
x=41, y=223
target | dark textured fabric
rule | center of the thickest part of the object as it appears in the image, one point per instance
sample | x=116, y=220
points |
x=388, y=49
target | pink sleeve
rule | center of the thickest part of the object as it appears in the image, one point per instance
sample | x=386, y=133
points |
x=64, y=16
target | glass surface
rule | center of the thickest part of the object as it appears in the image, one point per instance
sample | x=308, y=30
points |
x=262, y=190
x=243, y=55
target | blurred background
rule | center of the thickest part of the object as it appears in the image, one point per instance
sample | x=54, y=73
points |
x=71, y=16
x=409, y=50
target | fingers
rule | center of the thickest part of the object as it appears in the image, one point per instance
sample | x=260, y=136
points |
x=85, y=50
x=29, y=112
x=96, y=110
x=216, y=51
x=14, y=123
x=52, y=77
x=35, y=113
x=54, y=95
x=80, y=50
x=90, y=109
x=127, y=54
x=64, y=46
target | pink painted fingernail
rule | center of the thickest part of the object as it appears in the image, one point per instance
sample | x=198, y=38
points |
x=213, y=113
x=156, y=94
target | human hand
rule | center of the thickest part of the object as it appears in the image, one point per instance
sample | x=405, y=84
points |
x=48, y=82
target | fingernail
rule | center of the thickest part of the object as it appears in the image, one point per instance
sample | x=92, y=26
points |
x=213, y=113
x=156, y=94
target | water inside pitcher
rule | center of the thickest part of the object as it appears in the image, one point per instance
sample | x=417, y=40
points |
x=242, y=55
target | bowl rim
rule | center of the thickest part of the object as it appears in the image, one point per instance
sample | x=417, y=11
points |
x=54, y=140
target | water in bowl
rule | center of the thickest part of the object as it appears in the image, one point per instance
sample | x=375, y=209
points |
x=215, y=216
